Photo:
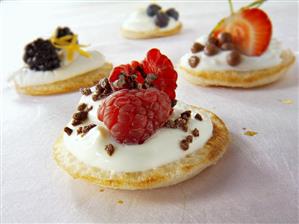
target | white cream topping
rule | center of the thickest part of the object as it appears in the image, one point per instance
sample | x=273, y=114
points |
x=80, y=65
x=139, y=21
x=161, y=148
x=271, y=57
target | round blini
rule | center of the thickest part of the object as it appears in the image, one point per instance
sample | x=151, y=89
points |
x=162, y=176
x=241, y=79
x=68, y=85
x=151, y=34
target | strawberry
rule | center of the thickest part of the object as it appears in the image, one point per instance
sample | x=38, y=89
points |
x=251, y=30
x=132, y=116
x=161, y=67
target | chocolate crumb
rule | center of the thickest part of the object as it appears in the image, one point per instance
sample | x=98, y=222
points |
x=173, y=103
x=76, y=122
x=225, y=37
x=189, y=138
x=186, y=115
x=95, y=97
x=197, y=47
x=211, y=49
x=185, y=127
x=182, y=124
x=180, y=121
x=80, y=116
x=89, y=108
x=85, y=91
x=198, y=117
x=109, y=149
x=79, y=130
x=99, y=88
x=234, y=58
x=68, y=130
x=213, y=40
x=195, y=132
x=82, y=106
x=193, y=61
x=184, y=145
x=87, y=128
x=170, y=124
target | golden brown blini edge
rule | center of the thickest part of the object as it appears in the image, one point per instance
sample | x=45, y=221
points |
x=87, y=79
x=240, y=79
x=165, y=175
x=151, y=34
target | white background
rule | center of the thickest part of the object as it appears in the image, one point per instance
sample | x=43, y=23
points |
x=256, y=181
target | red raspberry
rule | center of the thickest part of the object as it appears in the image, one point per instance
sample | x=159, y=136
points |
x=160, y=65
x=156, y=70
x=132, y=116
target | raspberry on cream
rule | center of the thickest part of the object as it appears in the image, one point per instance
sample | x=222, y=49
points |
x=130, y=132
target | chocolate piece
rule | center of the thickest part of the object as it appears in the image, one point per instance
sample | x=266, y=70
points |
x=233, y=58
x=95, y=97
x=82, y=106
x=85, y=91
x=68, y=130
x=180, y=121
x=211, y=49
x=184, y=145
x=195, y=132
x=182, y=124
x=109, y=149
x=225, y=37
x=189, y=138
x=193, y=61
x=198, y=117
x=79, y=130
x=197, y=47
x=170, y=124
x=99, y=88
x=184, y=127
x=87, y=128
x=173, y=103
x=186, y=115
x=227, y=46
x=80, y=116
x=148, y=81
x=76, y=122
x=213, y=40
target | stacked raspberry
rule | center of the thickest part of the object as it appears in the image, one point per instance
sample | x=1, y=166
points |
x=142, y=98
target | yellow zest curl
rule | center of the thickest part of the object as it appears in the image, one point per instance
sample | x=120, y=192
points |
x=70, y=44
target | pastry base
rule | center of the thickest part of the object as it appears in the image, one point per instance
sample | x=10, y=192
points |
x=247, y=79
x=151, y=34
x=166, y=175
x=68, y=85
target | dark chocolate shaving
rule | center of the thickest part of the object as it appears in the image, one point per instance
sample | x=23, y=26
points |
x=109, y=149
x=195, y=132
x=68, y=131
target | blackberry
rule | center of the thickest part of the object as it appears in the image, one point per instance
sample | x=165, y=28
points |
x=152, y=9
x=172, y=13
x=63, y=31
x=161, y=19
x=41, y=55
